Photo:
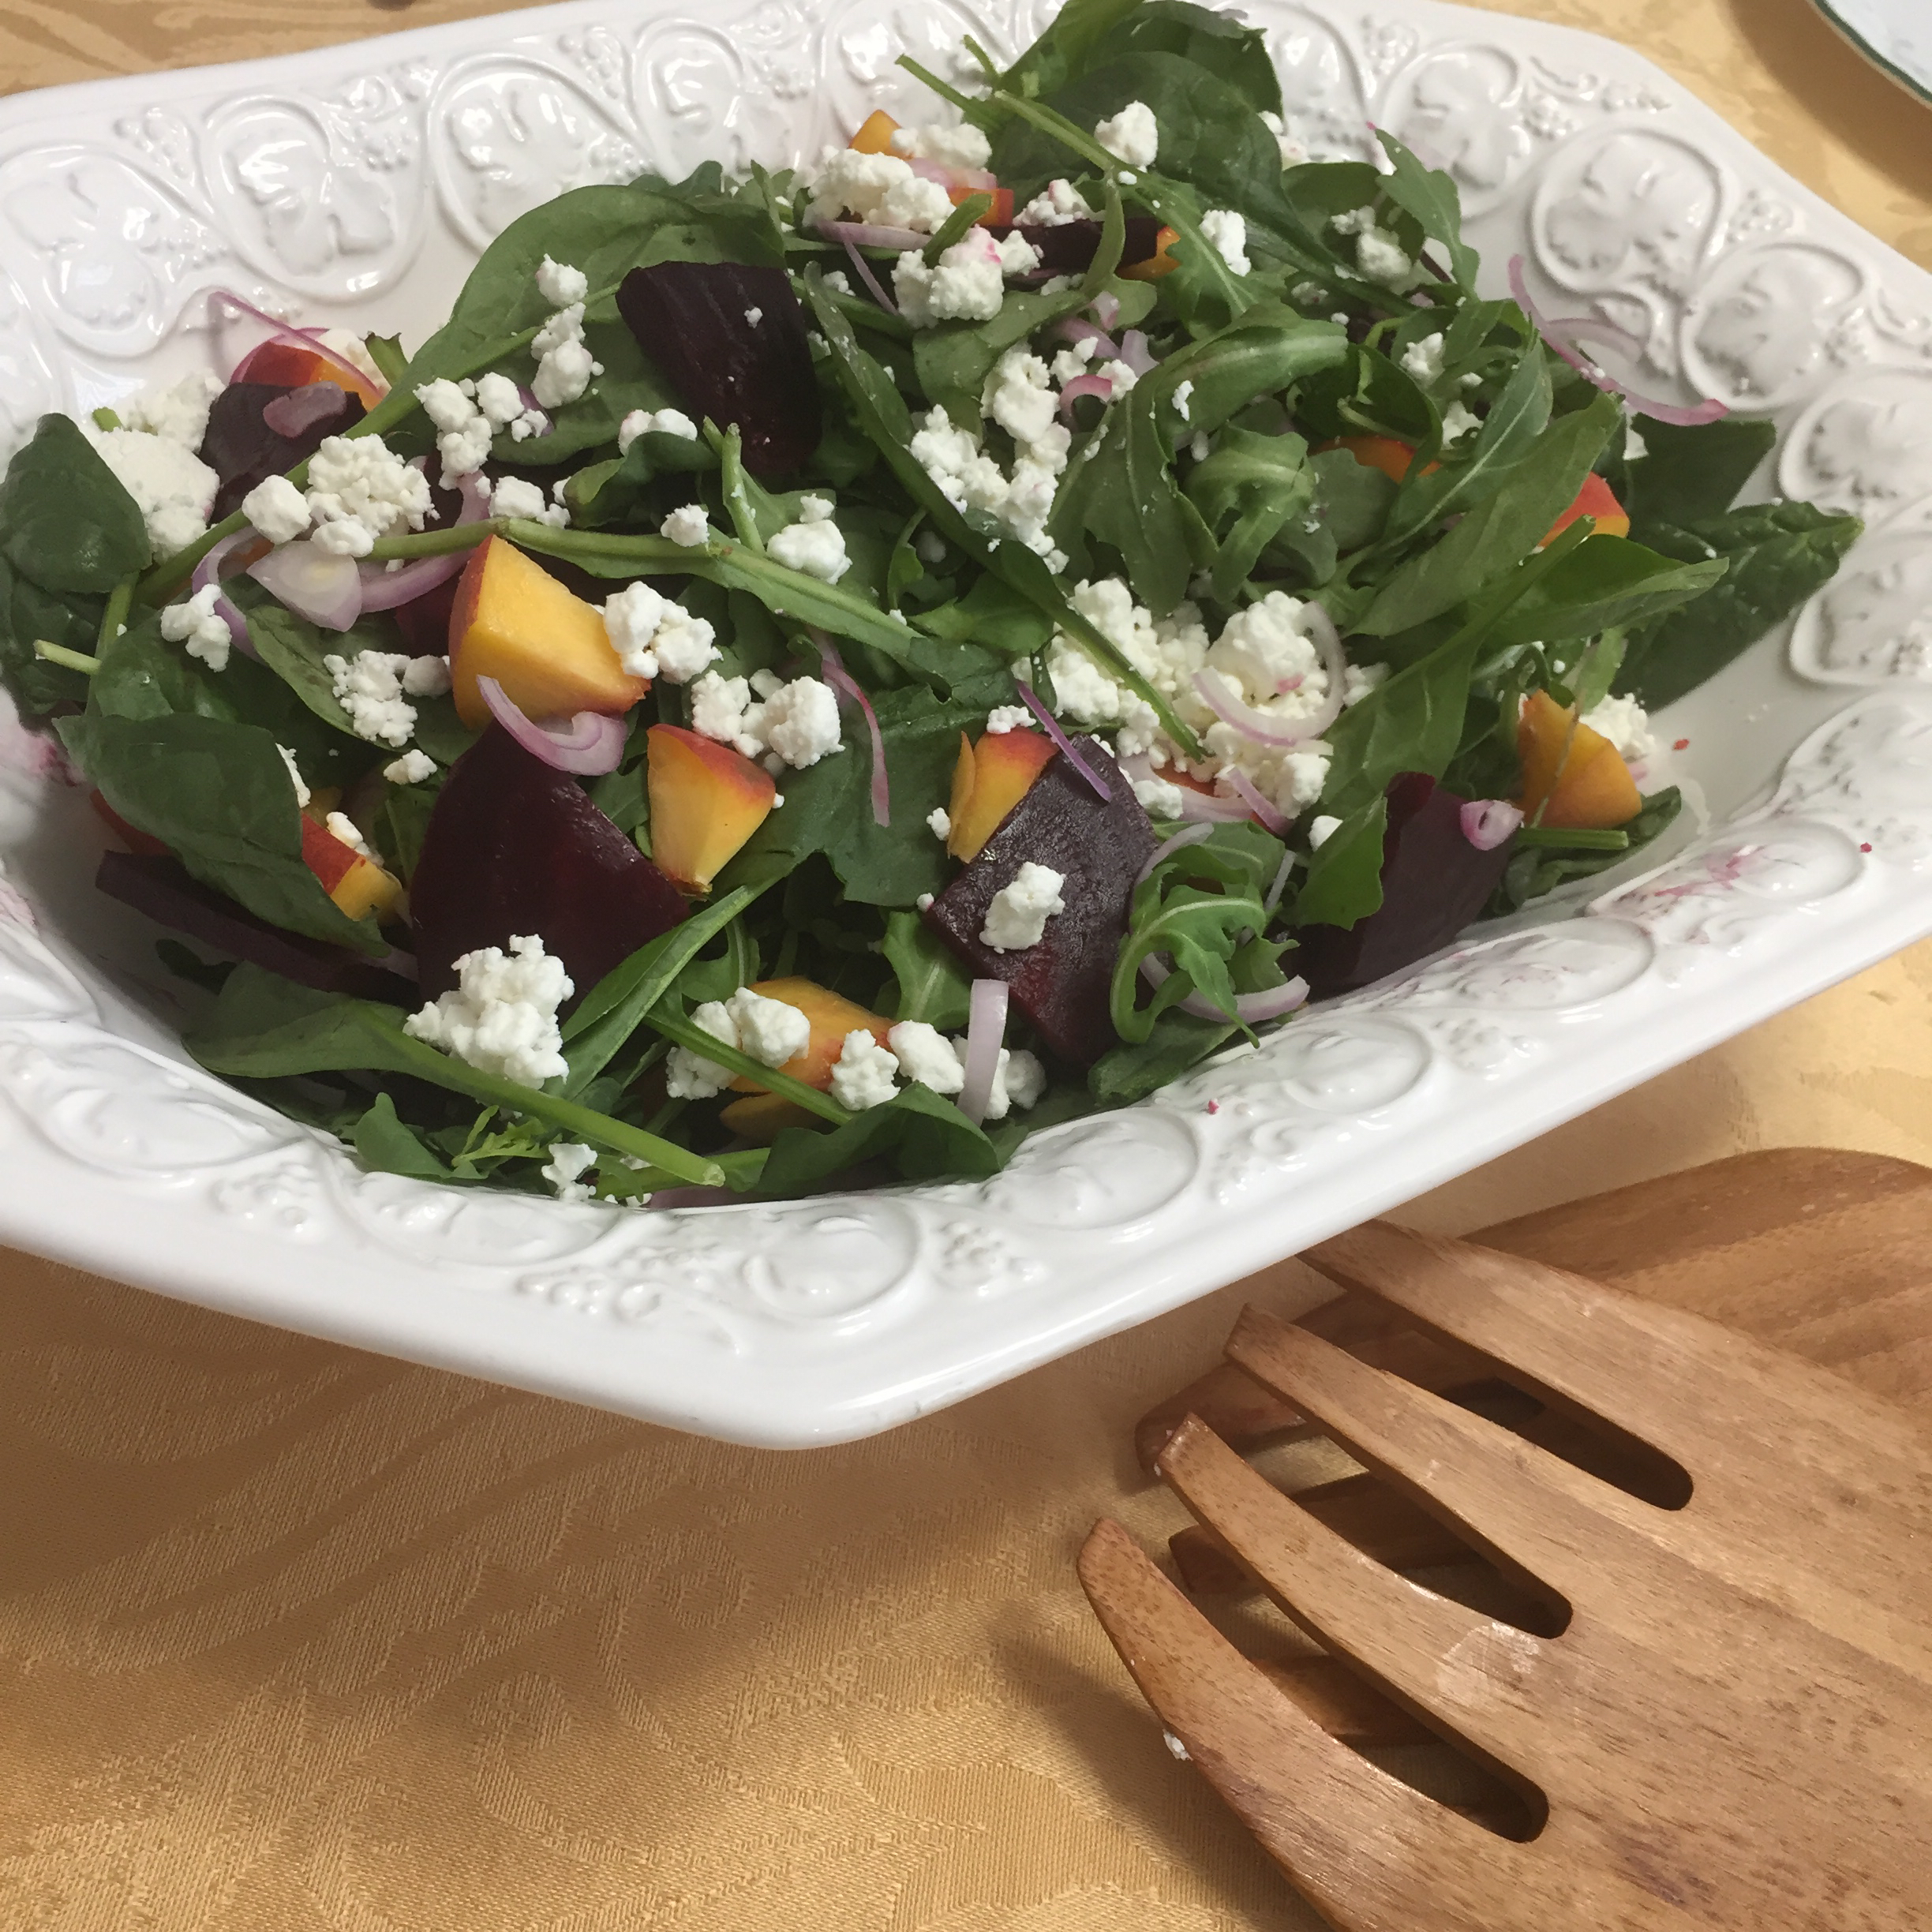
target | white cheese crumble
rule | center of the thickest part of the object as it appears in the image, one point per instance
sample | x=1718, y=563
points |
x=654, y=637
x=427, y=676
x=813, y=545
x=796, y=724
x=754, y=317
x=1004, y=718
x=516, y=496
x=1159, y=798
x=1626, y=724
x=770, y=1030
x=1322, y=828
x=412, y=768
x=1184, y=397
x=359, y=490
x=347, y=832
x=1635, y=447
x=564, y=364
x=568, y=1161
x=1458, y=422
x=689, y=525
x=502, y=1017
x=689, y=1076
x=172, y=487
x=926, y=1056
x=1378, y=254
x=1226, y=233
x=968, y=284
x=464, y=433
x=939, y=822
x=1294, y=149
x=801, y=722
x=502, y=402
x=295, y=777
x=1133, y=135
x=561, y=286
x=369, y=686
x=838, y=282
x=1017, y=917
x=879, y=189
x=1056, y=204
x=1423, y=359
x=654, y=422
x=1018, y=398
x=178, y=413
x=277, y=509
x=865, y=1074
x=961, y=147
x=200, y=628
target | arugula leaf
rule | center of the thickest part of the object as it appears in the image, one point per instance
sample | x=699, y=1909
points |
x=922, y=1136
x=217, y=794
x=1538, y=869
x=992, y=615
x=1367, y=393
x=1692, y=472
x=66, y=523
x=932, y=984
x=1430, y=197
x=1778, y=555
x=620, y=491
x=1607, y=581
x=1344, y=881
x=385, y=1144
x=1247, y=491
x=1175, y=1041
x=1412, y=722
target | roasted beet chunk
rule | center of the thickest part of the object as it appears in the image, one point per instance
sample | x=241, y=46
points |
x=515, y=846
x=1061, y=984
x=731, y=342
x=1434, y=881
x=243, y=449
x=162, y=887
x=1067, y=248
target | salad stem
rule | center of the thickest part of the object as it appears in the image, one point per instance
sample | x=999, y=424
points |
x=458, y=536
x=114, y=619
x=60, y=654
x=1583, y=840
x=708, y=1047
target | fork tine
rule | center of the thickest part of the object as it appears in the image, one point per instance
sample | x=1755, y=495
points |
x=1446, y=1663
x=1369, y=1852
x=1541, y=1523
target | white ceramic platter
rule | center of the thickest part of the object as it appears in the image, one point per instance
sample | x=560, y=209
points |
x=355, y=184
x=1895, y=35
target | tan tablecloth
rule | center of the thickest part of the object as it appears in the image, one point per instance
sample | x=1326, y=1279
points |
x=293, y=1639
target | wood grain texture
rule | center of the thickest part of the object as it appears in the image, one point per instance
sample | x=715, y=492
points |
x=1728, y=1722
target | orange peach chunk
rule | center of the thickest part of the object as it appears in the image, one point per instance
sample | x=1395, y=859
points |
x=1595, y=498
x=1573, y=774
x=760, y=1118
x=359, y=885
x=832, y=1016
x=988, y=781
x=875, y=134
x=705, y=800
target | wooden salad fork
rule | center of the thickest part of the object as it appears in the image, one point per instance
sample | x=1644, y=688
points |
x=1720, y=1712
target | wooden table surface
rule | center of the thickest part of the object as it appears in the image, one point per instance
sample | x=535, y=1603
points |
x=293, y=1639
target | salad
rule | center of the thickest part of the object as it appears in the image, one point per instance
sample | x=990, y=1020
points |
x=810, y=677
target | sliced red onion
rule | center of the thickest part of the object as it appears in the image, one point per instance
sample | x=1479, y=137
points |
x=973, y=181
x=1092, y=385
x=1684, y=415
x=863, y=269
x=986, y=1033
x=1245, y=789
x=1193, y=836
x=309, y=338
x=209, y=571
x=1590, y=328
x=843, y=682
x=589, y=744
x=384, y=589
x=1197, y=808
x=302, y=409
x=868, y=234
x=1281, y=885
x=1250, y=1009
x=1050, y=725
x=1488, y=823
x=1078, y=329
x=1135, y=352
x=1105, y=309
x=1220, y=698
x=314, y=583
x=403, y=964
x=691, y=1197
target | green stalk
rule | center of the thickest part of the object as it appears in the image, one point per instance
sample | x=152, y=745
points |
x=956, y=225
x=114, y=619
x=683, y=1033
x=1582, y=840
x=458, y=536
x=60, y=654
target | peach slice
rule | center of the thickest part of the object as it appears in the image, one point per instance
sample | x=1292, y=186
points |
x=359, y=885
x=832, y=1016
x=760, y=1118
x=1574, y=773
x=1595, y=498
x=513, y=621
x=705, y=800
x=1160, y=263
x=288, y=366
x=875, y=134
x=988, y=781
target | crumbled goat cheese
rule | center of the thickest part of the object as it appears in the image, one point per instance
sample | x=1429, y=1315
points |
x=561, y=286
x=172, y=487
x=970, y=479
x=689, y=1076
x=927, y=1057
x=427, y=676
x=1424, y=359
x=1322, y=828
x=348, y=832
x=865, y=1074
x=1226, y=233
x=502, y=1017
x=1294, y=150
x=1201, y=447
x=1132, y=136
x=1160, y=797
x=754, y=317
x=369, y=686
x=1017, y=917
x=813, y=545
x=502, y=402
x=277, y=509
x=719, y=705
x=1070, y=364
x=569, y=1159
x=801, y=722
x=924, y=902
x=1626, y=724
x=295, y=777
x=1635, y=447
x=1024, y=1077
x=412, y=768
x=1004, y=718
x=359, y=490
x=654, y=422
x=1458, y=421
x=1378, y=255
x=1056, y=204
x=838, y=282
x=968, y=285
x=200, y=627
x=961, y=147
x=656, y=637
x=464, y=434
x=770, y=1030
x=879, y=189
x=1183, y=397
x=516, y=496
x=931, y=547
x=177, y=414
x=939, y=822
x=690, y=526
x=564, y=364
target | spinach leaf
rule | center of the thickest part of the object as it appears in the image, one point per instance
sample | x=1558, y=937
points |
x=620, y=491
x=293, y=649
x=217, y=794
x=1065, y=46
x=29, y=615
x=1778, y=555
x=385, y=1144
x=1690, y=473
x=1344, y=881
x=65, y=521
x=932, y=984
x=1412, y=722
x=1607, y=581
x=921, y=1136
x=1222, y=44
x=1535, y=870
x=1175, y=1042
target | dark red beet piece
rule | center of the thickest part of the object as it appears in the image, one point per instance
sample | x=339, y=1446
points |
x=243, y=451
x=1434, y=881
x=1061, y=984
x=1067, y=248
x=689, y=318
x=163, y=889
x=425, y=621
x=514, y=847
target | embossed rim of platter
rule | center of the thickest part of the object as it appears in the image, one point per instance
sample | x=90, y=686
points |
x=829, y=1318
